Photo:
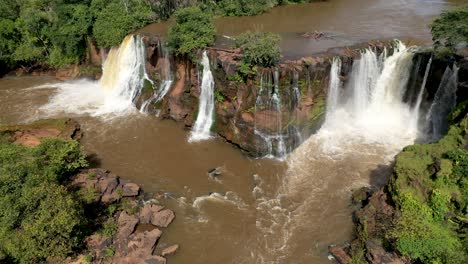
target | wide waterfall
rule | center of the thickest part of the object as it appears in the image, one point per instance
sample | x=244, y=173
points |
x=201, y=129
x=370, y=109
x=123, y=77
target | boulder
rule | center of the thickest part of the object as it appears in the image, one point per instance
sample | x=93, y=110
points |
x=130, y=190
x=162, y=218
x=170, y=250
x=148, y=211
x=107, y=187
x=145, y=242
x=126, y=224
x=339, y=254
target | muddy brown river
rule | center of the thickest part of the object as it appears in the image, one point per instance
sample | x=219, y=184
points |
x=258, y=210
x=345, y=22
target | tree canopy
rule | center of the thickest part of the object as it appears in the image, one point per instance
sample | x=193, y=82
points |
x=194, y=29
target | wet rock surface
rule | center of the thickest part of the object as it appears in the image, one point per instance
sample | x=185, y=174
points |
x=237, y=115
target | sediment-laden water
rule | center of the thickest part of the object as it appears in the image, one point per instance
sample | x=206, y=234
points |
x=258, y=210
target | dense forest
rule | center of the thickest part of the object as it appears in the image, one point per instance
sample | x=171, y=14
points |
x=55, y=32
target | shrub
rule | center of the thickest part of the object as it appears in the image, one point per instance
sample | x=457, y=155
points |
x=430, y=191
x=260, y=48
x=450, y=29
x=193, y=30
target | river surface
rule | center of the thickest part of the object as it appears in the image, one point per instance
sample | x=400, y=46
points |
x=258, y=210
x=345, y=22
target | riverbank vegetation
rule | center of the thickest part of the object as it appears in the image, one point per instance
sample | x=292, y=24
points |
x=430, y=191
x=57, y=33
x=450, y=31
x=39, y=217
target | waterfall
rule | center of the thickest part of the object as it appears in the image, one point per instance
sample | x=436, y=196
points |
x=201, y=129
x=374, y=111
x=124, y=70
x=167, y=80
x=444, y=102
x=334, y=87
x=123, y=78
x=268, y=105
x=296, y=92
x=416, y=108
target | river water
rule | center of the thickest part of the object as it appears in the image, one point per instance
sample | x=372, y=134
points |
x=258, y=210
x=346, y=22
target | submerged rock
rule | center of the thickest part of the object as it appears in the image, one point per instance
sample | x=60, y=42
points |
x=214, y=172
x=170, y=250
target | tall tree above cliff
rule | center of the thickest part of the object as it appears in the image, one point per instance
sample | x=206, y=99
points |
x=194, y=29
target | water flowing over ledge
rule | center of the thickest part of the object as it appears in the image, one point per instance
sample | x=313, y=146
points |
x=202, y=127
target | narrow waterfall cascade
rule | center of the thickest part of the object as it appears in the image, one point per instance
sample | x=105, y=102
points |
x=123, y=77
x=334, y=87
x=166, y=83
x=296, y=91
x=372, y=111
x=417, y=105
x=444, y=102
x=268, y=116
x=201, y=129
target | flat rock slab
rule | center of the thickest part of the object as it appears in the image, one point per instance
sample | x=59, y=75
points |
x=148, y=211
x=127, y=224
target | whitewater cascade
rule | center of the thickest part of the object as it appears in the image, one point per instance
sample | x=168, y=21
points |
x=124, y=70
x=167, y=79
x=417, y=106
x=268, y=99
x=372, y=110
x=444, y=102
x=334, y=87
x=123, y=77
x=201, y=129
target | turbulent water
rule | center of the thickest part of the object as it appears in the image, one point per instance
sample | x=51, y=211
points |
x=255, y=212
x=202, y=127
x=123, y=77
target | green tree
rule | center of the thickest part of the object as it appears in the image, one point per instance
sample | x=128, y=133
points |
x=260, y=48
x=193, y=30
x=119, y=18
x=39, y=218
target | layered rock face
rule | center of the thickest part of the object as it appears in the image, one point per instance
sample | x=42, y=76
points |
x=267, y=111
